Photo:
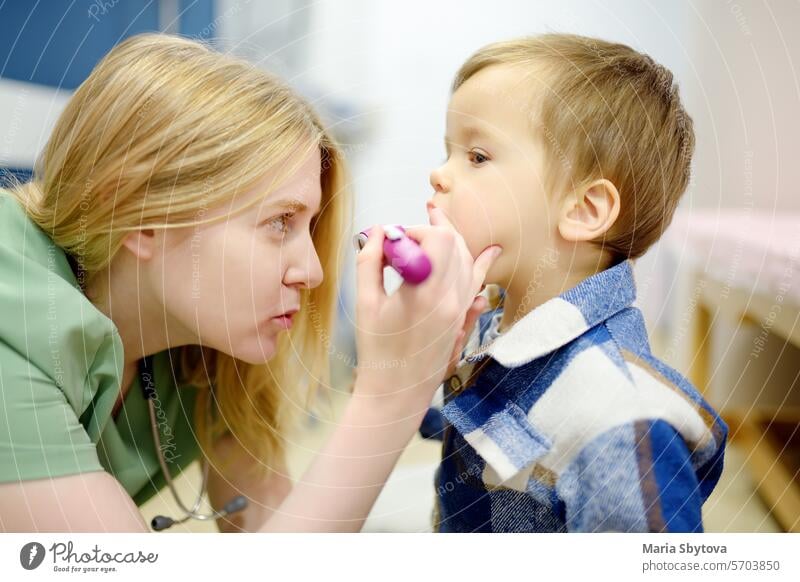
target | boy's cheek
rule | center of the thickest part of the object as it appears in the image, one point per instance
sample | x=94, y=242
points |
x=476, y=235
x=478, y=230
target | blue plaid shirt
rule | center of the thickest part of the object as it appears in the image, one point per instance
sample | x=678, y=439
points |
x=574, y=425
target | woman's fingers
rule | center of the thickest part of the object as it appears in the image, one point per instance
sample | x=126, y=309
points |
x=437, y=217
x=482, y=265
x=440, y=224
x=479, y=305
x=417, y=232
x=439, y=244
x=484, y=261
x=370, y=266
x=455, y=357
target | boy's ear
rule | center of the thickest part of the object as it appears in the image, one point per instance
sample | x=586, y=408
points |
x=589, y=213
x=141, y=243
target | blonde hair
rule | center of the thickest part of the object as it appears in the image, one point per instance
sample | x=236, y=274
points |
x=610, y=112
x=163, y=128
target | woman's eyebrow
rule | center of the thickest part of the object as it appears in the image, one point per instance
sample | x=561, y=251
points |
x=292, y=204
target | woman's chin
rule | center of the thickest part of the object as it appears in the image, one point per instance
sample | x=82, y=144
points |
x=260, y=352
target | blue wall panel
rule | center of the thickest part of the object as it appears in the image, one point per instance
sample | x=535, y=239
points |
x=57, y=42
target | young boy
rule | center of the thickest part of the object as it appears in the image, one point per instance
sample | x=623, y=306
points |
x=572, y=154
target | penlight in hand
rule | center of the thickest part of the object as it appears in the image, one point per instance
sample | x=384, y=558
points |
x=402, y=253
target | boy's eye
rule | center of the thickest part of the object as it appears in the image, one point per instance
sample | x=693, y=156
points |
x=477, y=157
x=281, y=222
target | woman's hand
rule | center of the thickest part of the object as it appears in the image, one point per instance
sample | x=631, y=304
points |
x=479, y=305
x=407, y=341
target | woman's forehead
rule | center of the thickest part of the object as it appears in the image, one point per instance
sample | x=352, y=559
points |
x=300, y=191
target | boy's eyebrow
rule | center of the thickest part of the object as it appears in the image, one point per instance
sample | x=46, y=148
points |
x=468, y=132
x=474, y=131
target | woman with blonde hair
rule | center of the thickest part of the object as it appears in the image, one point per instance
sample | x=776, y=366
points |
x=187, y=209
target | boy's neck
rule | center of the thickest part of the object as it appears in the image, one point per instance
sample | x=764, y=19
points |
x=527, y=293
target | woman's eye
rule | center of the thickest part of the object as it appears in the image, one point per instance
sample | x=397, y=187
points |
x=280, y=223
x=477, y=157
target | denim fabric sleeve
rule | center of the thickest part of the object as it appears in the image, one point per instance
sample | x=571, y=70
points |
x=636, y=477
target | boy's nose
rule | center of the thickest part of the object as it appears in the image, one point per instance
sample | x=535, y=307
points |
x=440, y=181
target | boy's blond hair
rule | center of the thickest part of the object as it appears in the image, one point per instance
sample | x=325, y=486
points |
x=607, y=111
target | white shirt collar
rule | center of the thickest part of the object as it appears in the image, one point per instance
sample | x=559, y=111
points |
x=557, y=321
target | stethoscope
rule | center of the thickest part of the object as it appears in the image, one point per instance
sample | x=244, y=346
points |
x=162, y=522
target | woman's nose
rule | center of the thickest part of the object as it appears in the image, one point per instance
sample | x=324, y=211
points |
x=440, y=180
x=306, y=272
x=314, y=271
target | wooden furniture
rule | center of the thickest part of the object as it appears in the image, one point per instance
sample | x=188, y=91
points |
x=769, y=436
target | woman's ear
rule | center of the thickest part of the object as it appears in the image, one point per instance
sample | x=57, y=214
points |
x=141, y=243
x=589, y=213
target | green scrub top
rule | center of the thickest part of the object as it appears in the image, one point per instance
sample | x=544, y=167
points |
x=61, y=363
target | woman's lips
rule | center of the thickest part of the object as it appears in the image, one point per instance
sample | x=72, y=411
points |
x=285, y=320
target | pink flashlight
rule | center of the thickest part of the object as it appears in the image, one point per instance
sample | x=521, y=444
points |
x=402, y=253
